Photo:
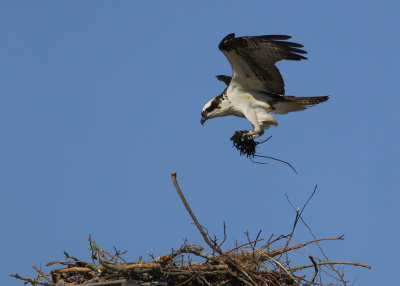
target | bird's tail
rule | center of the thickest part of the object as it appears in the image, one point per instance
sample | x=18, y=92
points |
x=292, y=103
x=307, y=100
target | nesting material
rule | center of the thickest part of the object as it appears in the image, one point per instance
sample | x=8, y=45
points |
x=258, y=261
x=244, y=143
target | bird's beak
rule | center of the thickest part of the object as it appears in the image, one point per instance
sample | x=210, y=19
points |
x=203, y=119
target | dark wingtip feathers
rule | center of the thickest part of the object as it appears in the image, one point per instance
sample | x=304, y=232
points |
x=229, y=36
x=293, y=49
x=275, y=37
x=226, y=79
x=225, y=40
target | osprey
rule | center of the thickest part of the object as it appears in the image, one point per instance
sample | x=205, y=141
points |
x=256, y=87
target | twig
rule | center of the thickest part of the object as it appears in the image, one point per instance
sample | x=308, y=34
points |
x=282, y=267
x=67, y=262
x=262, y=142
x=189, y=210
x=29, y=280
x=240, y=246
x=199, y=251
x=188, y=272
x=315, y=271
x=297, y=268
x=42, y=274
x=224, y=239
x=270, y=241
x=258, y=235
x=298, y=214
x=92, y=249
x=73, y=269
x=276, y=159
x=70, y=257
x=279, y=251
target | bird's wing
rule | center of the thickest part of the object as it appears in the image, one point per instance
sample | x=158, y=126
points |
x=225, y=78
x=253, y=60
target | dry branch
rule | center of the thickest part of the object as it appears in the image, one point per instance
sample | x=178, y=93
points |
x=353, y=263
x=30, y=280
x=41, y=273
x=189, y=210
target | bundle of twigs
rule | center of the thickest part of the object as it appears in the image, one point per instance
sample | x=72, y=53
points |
x=257, y=262
x=245, y=144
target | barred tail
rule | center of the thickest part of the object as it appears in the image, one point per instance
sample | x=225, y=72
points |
x=292, y=103
x=307, y=100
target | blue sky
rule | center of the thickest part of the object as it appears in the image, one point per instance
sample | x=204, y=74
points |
x=101, y=100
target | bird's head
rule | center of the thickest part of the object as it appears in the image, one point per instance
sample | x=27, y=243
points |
x=214, y=108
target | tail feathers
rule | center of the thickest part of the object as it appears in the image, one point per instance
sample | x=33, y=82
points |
x=286, y=104
x=306, y=100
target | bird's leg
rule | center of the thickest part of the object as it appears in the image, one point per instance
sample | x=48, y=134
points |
x=255, y=133
x=257, y=128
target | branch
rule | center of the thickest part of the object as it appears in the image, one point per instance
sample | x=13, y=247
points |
x=282, y=267
x=72, y=269
x=41, y=273
x=32, y=281
x=279, y=251
x=315, y=271
x=297, y=268
x=199, y=251
x=64, y=262
x=299, y=212
x=189, y=210
x=242, y=245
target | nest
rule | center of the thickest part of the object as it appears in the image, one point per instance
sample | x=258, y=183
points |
x=246, y=264
x=258, y=261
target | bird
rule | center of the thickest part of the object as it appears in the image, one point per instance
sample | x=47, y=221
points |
x=256, y=88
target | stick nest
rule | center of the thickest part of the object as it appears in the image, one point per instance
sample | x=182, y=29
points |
x=257, y=262
x=189, y=265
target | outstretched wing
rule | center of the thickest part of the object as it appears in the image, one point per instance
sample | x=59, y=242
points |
x=253, y=60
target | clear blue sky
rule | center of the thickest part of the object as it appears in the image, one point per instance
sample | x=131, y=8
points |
x=101, y=100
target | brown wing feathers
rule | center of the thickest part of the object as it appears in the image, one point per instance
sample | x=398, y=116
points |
x=292, y=49
x=253, y=60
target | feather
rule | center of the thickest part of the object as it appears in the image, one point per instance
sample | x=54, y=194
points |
x=253, y=59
